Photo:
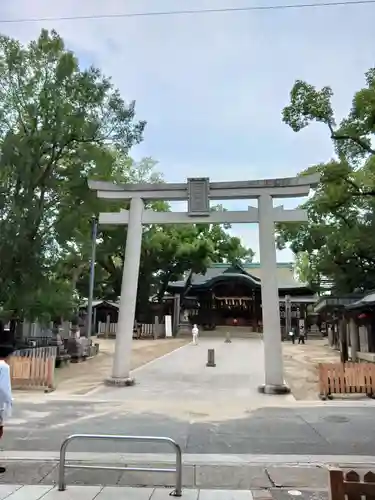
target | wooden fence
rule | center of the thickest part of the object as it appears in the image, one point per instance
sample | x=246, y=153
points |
x=33, y=368
x=350, y=486
x=145, y=330
x=346, y=378
x=141, y=330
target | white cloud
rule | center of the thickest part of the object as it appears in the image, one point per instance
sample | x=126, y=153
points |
x=212, y=87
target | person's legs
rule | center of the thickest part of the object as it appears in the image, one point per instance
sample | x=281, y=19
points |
x=2, y=469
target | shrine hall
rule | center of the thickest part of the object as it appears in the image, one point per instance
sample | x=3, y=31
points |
x=230, y=294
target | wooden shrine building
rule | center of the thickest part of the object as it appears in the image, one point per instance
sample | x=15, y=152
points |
x=231, y=294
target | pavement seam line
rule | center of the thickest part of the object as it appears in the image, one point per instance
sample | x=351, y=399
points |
x=273, y=484
x=44, y=494
x=99, y=492
x=313, y=428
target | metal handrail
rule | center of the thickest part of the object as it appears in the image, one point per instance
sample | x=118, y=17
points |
x=141, y=439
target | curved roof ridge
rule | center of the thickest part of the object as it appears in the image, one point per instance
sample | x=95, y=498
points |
x=224, y=276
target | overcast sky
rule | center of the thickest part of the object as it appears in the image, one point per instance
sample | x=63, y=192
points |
x=212, y=86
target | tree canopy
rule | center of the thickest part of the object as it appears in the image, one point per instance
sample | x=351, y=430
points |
x=61, y=124
x=57, y=124
x=337, y=245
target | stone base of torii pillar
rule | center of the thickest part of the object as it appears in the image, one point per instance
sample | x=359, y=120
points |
x=119, y=382
x=274, y=389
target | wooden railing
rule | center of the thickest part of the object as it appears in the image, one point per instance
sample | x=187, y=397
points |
x=107, y=329
x=350, y=486
x=346, y=378
x=33, y=368
x=145, y=330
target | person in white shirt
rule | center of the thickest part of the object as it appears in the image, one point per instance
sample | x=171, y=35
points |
x=195, y=333
x=5, y=390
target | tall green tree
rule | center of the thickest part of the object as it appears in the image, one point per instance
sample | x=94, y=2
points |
x=338, y=243
x=59, y=125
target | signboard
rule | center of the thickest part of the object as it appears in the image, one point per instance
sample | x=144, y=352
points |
x=198, y=196
x=168, y=326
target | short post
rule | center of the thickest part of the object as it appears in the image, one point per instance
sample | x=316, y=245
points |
x=227, y=338
x=211, y=358
x=288, y=315
x=107, y=326
x=156, y=327
x=354, y=339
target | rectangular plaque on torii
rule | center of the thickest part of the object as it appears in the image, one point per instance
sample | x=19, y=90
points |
x=198, y=196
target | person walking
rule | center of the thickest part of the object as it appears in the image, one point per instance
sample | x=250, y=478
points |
x=6, y=399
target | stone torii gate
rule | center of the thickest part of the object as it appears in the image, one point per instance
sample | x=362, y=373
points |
x=198, y=192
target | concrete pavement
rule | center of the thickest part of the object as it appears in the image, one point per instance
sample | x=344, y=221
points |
x=38, y=492
x=20, y=492
x=312, y=430
x=231, y=436
x=206, y=410
x=235, y=472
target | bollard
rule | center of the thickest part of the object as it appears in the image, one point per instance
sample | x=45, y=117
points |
x=227, y=338
x=211, y=357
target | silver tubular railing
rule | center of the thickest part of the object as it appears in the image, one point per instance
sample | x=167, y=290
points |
x=140, y=439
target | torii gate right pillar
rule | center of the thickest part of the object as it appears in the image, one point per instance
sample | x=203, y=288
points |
x=273, y=356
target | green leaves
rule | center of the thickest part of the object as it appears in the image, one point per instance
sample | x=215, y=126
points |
x=308, y=104
x=58, y=126
x=338, y=243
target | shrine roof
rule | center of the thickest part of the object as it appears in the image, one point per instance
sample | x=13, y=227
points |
x=367, y=300
x=331, y=302
x=97, y=303
x=251, y=270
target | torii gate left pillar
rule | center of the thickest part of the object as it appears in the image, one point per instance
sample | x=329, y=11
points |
x=128, y=299
x=198, y=192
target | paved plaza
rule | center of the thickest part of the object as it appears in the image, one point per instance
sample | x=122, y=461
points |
x=180, y=384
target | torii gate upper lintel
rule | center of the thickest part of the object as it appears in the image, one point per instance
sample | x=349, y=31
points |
x=198, y=192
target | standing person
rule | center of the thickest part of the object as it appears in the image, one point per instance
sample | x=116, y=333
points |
x=195, y=333
x=292, y=335
x=301, y=337
x=5, y=390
